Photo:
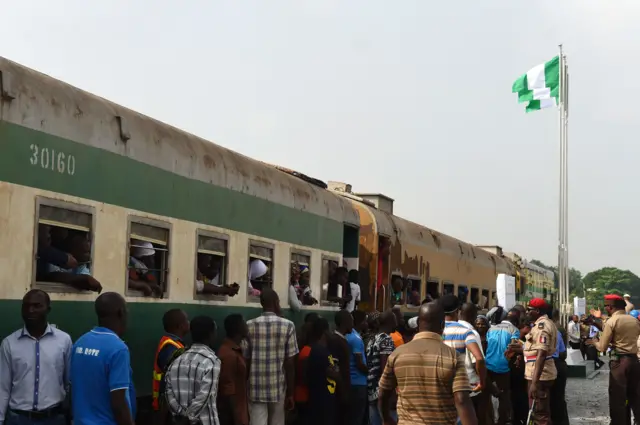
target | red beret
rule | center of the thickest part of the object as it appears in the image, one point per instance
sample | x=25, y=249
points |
x=538, y=303
x=613, y=297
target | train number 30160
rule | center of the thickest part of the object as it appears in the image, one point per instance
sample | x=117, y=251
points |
x=50, y=159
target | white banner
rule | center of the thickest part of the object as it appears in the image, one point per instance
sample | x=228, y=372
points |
x=579, y=306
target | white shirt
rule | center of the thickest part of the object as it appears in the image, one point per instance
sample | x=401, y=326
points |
x=470, y=361
x=355, y=296
x=574, y=331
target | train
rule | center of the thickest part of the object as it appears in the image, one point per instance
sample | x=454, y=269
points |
x=134, y=189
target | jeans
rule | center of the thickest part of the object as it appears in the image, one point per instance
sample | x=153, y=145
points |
x=375, y=416
x=16, y=419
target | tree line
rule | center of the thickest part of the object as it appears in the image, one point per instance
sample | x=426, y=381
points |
x=607, y=280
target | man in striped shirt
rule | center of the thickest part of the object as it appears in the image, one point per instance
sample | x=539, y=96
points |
x=192, y=378
x=458, y=336
x=429, y=377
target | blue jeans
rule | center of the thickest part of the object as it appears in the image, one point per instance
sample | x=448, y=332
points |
x=16, y=419
x=375, y=416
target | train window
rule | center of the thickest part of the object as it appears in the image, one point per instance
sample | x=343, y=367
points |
x=485, y=298
x=148, y=259
x=433, y=288
x=332, y=285
x=463, y=293
x=211, y=268
x=260, y=269
x=63, y=247
x=397, y=290
x=447, y=288
x=300, y=276
x=414, y=291
x=475, y=296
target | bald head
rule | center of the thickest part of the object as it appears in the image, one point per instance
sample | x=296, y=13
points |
x=431, y=318
x=269, y=299
x=111, y=309
x=469, y=312
x=109, y=305
x=388, y=321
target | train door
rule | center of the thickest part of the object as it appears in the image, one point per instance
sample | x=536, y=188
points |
x=382, y=276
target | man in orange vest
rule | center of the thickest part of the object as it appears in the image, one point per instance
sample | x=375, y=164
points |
x=176, y=327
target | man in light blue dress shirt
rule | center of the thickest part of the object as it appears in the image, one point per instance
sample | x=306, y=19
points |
x=34, y=367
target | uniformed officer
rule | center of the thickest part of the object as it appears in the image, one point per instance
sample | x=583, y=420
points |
x=621, y=332
x=540, y=370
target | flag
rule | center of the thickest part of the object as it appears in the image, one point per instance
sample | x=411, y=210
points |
x=540, y=86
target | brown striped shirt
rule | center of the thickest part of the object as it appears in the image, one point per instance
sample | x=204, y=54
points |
x=426, y=373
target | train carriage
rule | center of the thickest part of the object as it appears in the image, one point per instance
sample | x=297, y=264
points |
x=74, y=162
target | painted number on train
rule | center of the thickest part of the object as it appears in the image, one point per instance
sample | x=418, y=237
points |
x=52, y=160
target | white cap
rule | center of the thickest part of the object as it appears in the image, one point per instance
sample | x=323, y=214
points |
x=413, y=323
x=142, y=248
x=627, y=296
x=257, y=269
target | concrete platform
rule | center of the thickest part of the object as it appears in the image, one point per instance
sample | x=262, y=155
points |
x=578, y=368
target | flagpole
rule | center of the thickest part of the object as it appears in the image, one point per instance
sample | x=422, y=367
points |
x=565, y=107
x=561, y=194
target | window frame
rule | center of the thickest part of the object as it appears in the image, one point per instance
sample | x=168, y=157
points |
x=435, y=280
x=448, y=283
x=250, y=299
x=211, y=235
x=326, y=257
x=55, y=287
x=412, y=278
x=146, y=221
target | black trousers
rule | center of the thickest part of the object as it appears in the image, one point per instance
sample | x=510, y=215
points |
x=559, y=413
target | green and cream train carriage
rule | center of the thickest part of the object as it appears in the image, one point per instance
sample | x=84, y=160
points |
x=71, y=160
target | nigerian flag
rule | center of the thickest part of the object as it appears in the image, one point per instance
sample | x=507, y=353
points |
x=539, y=86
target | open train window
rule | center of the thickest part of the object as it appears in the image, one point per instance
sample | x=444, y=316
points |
x=485, y=298
x=331, y=290
x=260, y=269
x=211, y=267
x=433, y=288
x=414, y=291
x=63, y=247
x=148, y=258
x=300, y=276
x=475, y=296
x=463, y=293
x=447, y=288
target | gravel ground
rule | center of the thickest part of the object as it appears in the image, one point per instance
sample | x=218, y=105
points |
x=587, y=399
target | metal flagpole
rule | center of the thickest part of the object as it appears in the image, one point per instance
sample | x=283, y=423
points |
x=565, y=107
x=562, y=276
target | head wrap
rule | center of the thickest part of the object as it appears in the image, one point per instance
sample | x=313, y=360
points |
x=538, y=303
x=627, y=296
x=257, y=269
x=635, y=313
x=304, y=269
x=413, y=323
x=142, y=248
x=373, y=316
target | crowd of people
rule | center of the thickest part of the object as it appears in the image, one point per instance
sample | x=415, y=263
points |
x=446, y=365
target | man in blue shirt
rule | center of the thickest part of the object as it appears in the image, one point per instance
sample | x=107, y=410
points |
x=559, y=413
x=101, y=386
x=498, y=339
x=358, y=369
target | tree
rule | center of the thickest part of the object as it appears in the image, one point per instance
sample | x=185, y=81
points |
x=611, y=280
x=575, y=278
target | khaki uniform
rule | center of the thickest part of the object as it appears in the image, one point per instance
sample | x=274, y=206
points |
x=622, y=331
x=543, y=336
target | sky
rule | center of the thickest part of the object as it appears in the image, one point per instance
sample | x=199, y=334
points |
x=411, y=99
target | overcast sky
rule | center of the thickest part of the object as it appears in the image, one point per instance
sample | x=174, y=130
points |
x=408, y=98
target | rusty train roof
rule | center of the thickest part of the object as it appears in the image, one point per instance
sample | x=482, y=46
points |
x=50, y=105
